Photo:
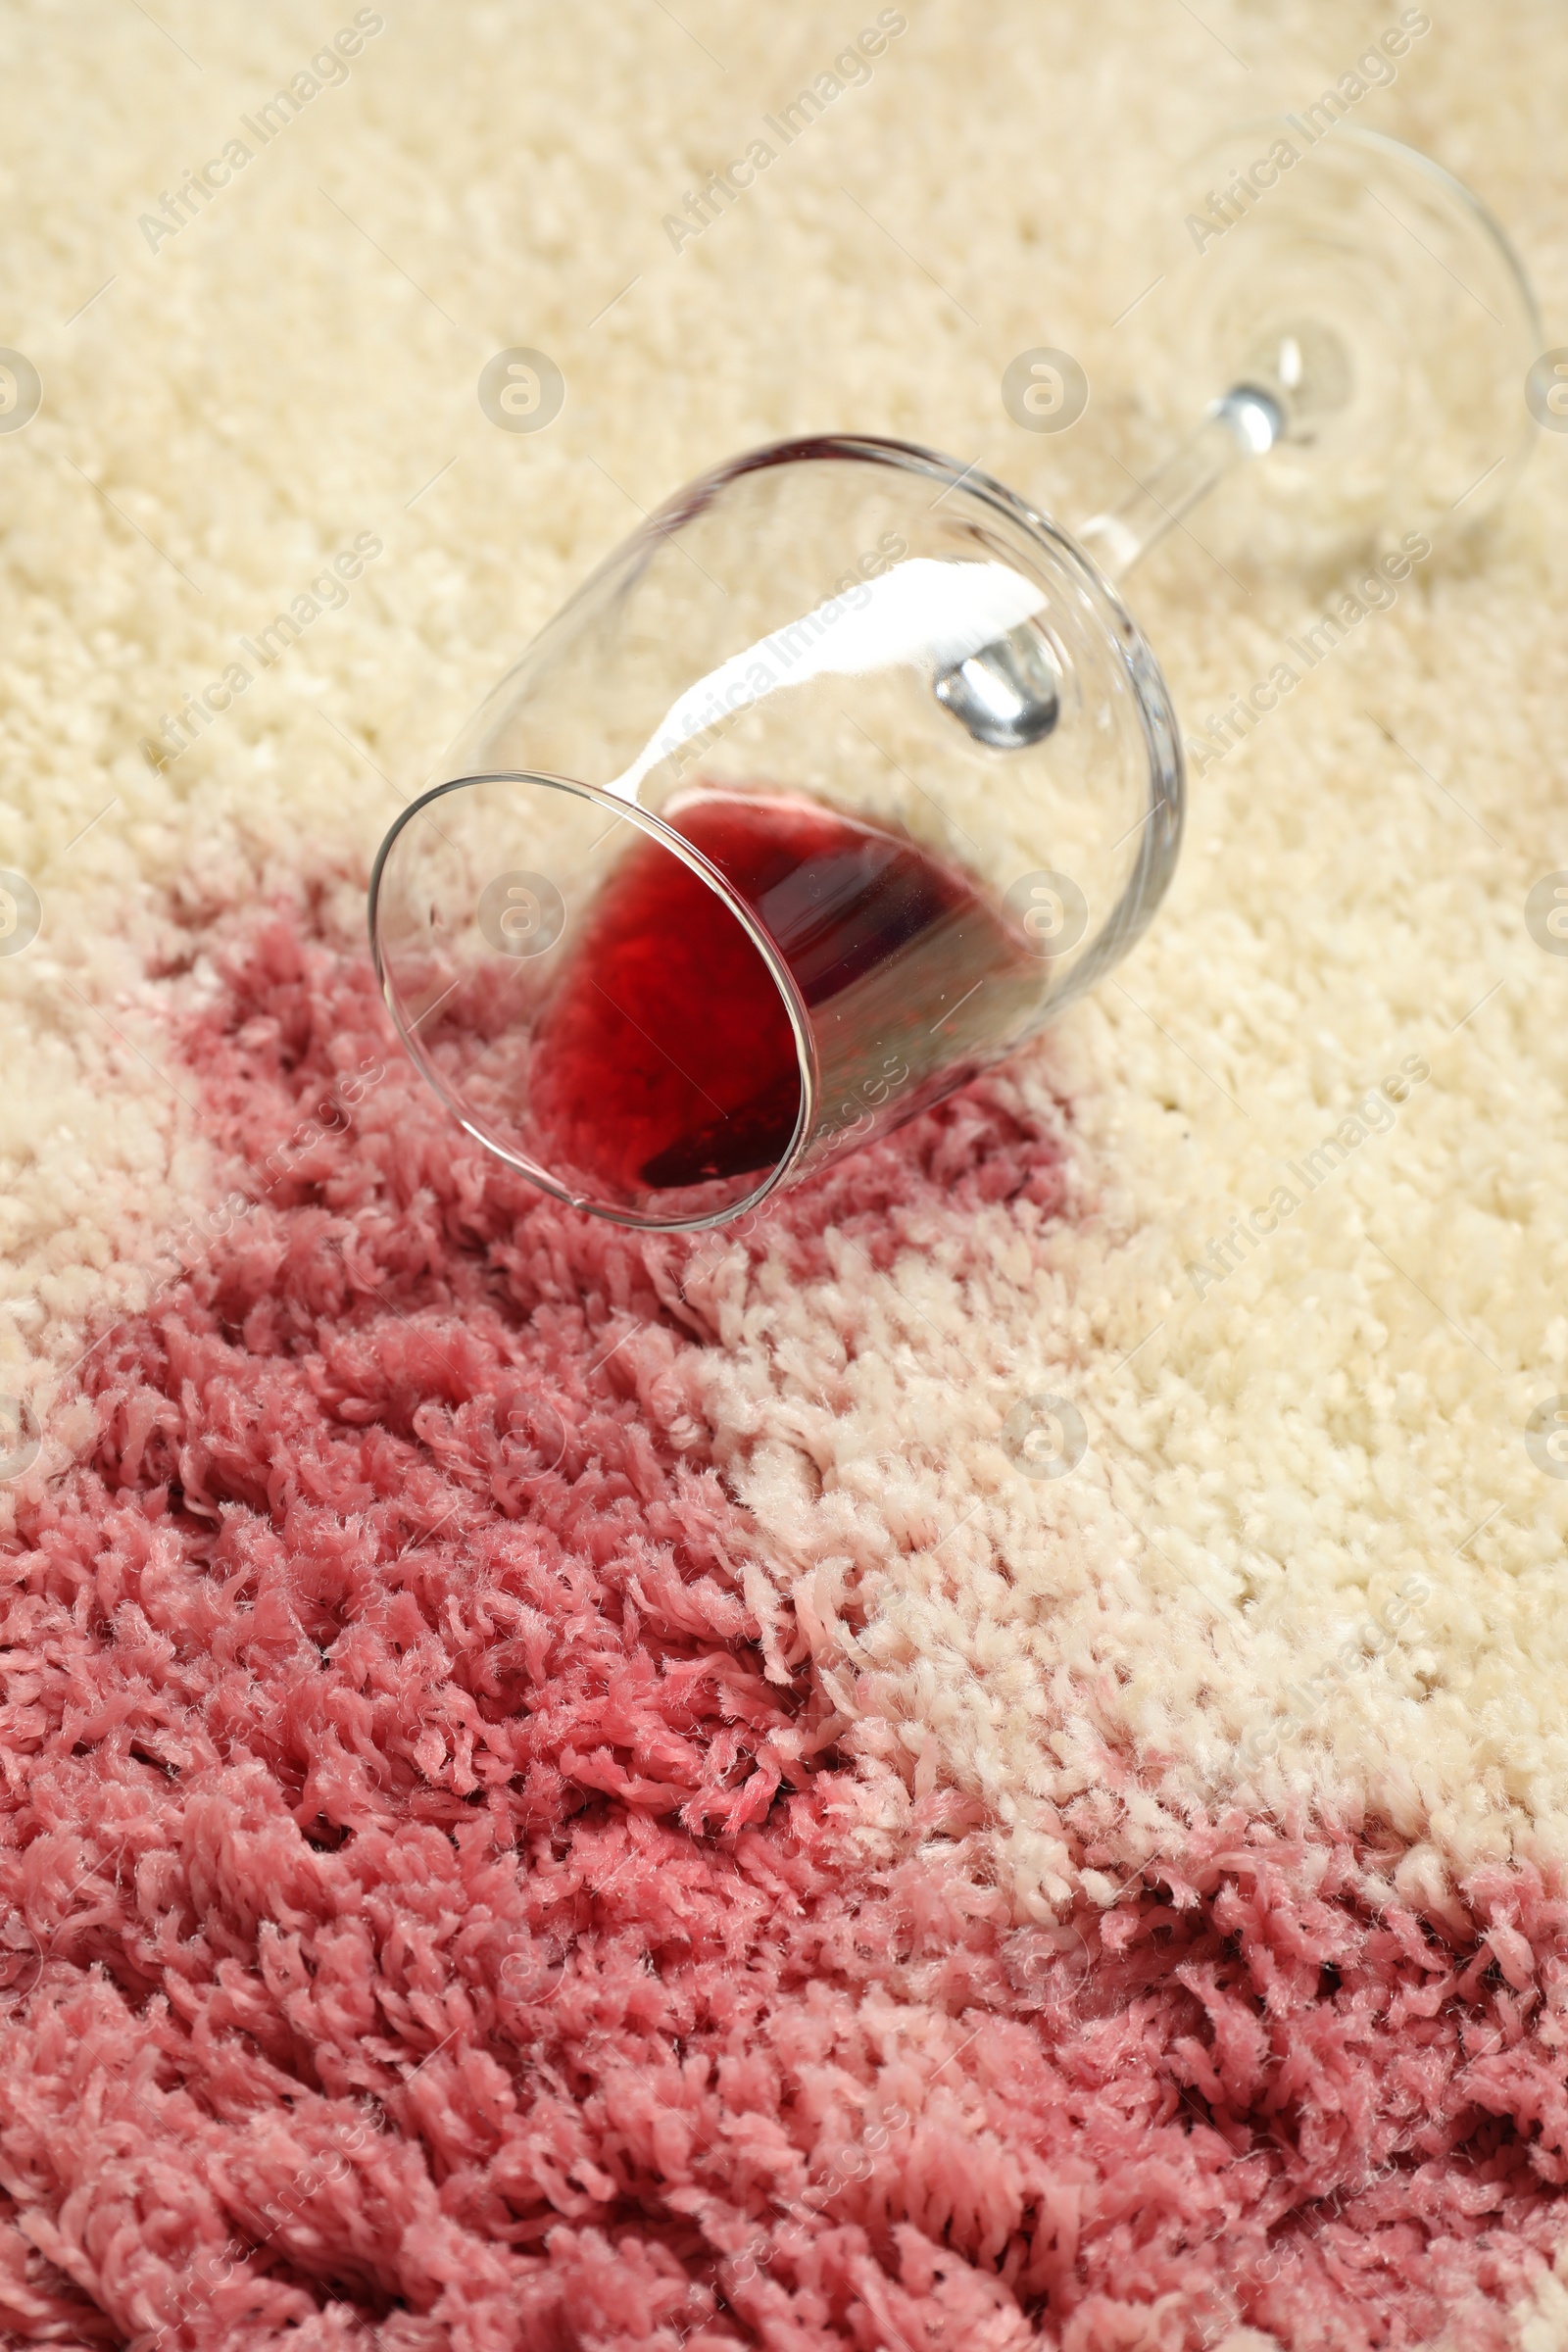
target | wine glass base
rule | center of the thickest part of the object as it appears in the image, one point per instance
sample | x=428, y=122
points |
x=1398, y=303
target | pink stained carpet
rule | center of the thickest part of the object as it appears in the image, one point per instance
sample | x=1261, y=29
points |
x=428, y=1925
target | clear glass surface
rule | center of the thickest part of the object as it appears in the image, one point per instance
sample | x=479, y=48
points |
x=848, y=770
x=836, y=782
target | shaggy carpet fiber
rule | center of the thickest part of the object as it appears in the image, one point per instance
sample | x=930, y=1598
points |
x=563, y=1790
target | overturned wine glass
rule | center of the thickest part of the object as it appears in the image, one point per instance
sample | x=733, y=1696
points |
x=851, y=768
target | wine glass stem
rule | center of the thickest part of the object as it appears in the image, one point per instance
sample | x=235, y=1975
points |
x=1246, y=423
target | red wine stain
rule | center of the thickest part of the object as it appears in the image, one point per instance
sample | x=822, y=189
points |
x=665, y=1057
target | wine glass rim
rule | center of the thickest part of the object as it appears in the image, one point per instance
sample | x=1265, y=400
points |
x=665, y=834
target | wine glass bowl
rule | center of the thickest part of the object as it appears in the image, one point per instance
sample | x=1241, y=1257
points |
x=835, y=782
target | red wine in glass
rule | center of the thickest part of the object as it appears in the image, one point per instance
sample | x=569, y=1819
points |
x=665, y=1057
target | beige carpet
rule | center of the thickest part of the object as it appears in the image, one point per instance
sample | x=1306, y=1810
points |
x=1311, y=1570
